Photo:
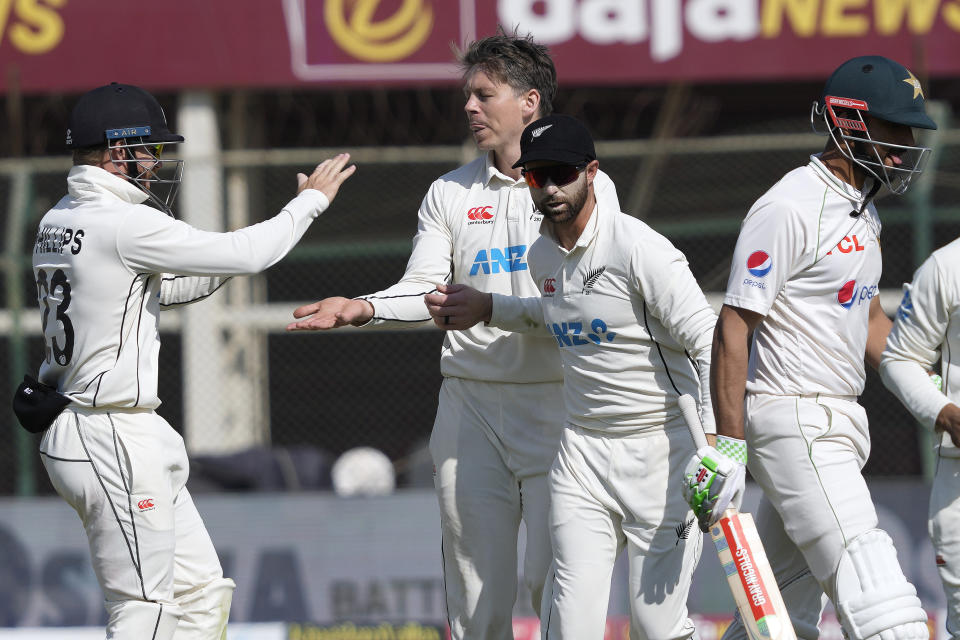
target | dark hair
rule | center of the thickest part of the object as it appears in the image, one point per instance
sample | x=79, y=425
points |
x=89, y=155
x=516, y=60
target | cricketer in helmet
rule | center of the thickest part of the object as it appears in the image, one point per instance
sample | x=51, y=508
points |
x=123, y=128
x=871, y=105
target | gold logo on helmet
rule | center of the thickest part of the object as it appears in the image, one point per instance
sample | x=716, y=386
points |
x=385, y=40
x=912, y=80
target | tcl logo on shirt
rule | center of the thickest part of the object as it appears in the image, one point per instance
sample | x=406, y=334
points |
x=507, y=259
x=480, y=215
x=850, y=294
x=849, y=244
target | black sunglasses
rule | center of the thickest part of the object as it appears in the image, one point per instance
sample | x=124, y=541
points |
x=558, y=174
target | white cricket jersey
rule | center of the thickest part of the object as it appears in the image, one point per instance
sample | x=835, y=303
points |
x=106, y=264
x=475, y=227
x=926, y=329
x=633, y=328
x=803, y=262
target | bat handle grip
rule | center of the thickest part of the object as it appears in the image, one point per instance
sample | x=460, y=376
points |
x=688, y=407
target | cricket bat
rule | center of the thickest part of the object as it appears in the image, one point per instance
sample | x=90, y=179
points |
x=743, y=559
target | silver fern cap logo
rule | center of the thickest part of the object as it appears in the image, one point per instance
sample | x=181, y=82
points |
x=591, y=280
x=536, y=133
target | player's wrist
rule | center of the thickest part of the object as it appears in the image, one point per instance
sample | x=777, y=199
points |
x=365, y=314
x=487, y=308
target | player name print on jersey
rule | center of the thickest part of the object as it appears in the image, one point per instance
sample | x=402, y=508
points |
x=507, y=260
x=54, y=239
x=570, y=334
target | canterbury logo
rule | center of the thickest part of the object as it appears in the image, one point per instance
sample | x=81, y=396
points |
x=591, y=279
x=683, y=531
x=145, y=504
x=480, y=213
x=539, y=130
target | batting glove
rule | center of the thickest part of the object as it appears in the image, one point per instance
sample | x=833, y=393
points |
x=714, y=480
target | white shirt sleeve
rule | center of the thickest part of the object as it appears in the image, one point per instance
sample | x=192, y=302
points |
x=772, y=230
x=151, y=241
x=430, y=264
x=522, y=315
x=180, y=290
x=674, y=297
x=913, y=346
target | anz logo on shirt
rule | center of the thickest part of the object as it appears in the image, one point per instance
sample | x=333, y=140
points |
x=507, y=260
x=570, y=334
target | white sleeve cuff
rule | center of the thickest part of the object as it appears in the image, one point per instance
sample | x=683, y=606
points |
x=309, y=202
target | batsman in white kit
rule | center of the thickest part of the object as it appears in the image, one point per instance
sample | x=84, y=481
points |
x=800, y=316
x=927, y=329
x=106, y=264
x=633, y=330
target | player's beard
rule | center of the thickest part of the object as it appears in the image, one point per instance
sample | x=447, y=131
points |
x=562, y=207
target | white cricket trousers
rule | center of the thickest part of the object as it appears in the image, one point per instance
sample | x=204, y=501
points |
x=609, y=491
x=944, y=526
x=492, y=445
x=124, y=473
x=806, y=453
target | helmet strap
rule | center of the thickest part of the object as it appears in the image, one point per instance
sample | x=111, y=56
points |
x=874, y=188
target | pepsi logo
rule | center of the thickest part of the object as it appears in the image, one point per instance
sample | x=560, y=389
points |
x=759, y=264
x=846, y=296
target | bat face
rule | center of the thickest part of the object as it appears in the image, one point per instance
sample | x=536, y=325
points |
x=750, y=578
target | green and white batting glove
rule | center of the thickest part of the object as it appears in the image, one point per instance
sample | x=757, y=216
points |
x=714, y=480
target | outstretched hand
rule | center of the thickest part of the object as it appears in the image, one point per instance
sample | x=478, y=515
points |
x=328, y=176
x=331, y=313
x=458, y=307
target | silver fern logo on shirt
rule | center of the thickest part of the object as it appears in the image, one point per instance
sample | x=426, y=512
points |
x=591, y=280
